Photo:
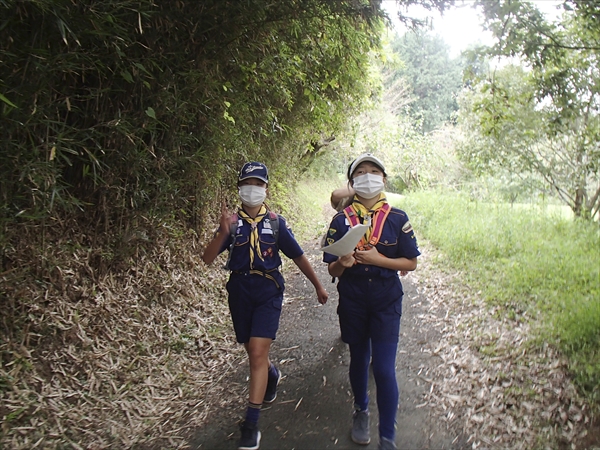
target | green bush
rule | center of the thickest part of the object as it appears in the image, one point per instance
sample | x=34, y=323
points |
x=125, y=107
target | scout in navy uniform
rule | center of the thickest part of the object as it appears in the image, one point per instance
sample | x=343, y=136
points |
x=370, y=293
x=256, y=286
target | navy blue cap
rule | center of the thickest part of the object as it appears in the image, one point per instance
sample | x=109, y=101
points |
x=254, y=170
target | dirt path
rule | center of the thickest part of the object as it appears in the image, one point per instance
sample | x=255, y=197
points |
x=314, y=404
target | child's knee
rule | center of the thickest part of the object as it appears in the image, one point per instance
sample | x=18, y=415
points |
x=258, y=349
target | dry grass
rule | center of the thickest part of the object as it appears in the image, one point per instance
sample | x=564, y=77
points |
x=493, y=384
x=96, y=357
x=100, y=351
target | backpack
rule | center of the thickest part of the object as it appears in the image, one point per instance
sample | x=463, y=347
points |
x=273, y=219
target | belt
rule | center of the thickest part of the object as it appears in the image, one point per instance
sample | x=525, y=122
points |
x=262, y=273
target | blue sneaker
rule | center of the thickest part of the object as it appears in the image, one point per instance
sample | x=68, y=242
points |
x=271, y=392
x=250, y=436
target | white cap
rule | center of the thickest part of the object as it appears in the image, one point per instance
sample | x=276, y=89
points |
x=361, y=159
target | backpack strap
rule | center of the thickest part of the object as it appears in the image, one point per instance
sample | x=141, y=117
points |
x=379, y=219
x=233, y=226
x=353, y=219
x=274, y=219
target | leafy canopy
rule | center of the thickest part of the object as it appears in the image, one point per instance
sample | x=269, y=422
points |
x=433, y=77
x=123, y=106
x=542, y=121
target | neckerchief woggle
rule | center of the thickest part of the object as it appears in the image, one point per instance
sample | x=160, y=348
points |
x=375, y=217
x=254, y=239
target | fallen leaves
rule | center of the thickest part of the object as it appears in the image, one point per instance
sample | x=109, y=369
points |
x=102, y=359
x=493, y=384
x=136, y=357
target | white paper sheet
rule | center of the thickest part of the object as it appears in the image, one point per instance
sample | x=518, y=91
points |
x=348, y=242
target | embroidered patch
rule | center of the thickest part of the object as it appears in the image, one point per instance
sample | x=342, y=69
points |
x=407, y=228
x=332, y=231
x=252, y=168
x=330, y=241
x=266, y=231
x=268, y=253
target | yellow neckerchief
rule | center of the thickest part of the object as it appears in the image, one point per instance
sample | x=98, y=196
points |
x=254, y=240
x=367, y=214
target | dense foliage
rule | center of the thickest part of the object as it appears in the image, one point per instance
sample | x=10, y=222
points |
x=393, y=121
x=126, y=106
x=542, y=120
x=433, y=76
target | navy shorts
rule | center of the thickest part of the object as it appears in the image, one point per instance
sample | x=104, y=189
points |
x=255, y=305
x=370, y=308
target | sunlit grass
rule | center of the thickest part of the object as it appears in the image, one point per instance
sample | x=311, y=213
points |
x=525, y=258
x=304, y=210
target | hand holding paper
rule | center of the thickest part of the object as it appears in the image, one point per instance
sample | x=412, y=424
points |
x=347, y=243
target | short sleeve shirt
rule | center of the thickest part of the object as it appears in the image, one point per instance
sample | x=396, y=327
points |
x=240, y=258
x=397, y=240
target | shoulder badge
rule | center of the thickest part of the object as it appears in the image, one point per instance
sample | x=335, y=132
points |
x=407, y=227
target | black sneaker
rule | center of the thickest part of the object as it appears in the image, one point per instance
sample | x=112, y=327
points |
x=360, y=427
x=271, y=392
x=250, y=436
x=386, y=444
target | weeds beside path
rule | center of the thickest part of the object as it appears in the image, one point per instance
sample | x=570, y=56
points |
x=495, y=384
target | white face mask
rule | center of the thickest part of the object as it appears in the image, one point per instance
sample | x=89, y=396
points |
x=368, y=185
x=252, y=195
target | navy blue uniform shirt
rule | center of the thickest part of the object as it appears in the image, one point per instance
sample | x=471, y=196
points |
x=397, y=240
x=240, y=259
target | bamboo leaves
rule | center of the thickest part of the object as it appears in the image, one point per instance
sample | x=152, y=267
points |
x=215, y=74
x=7, y=101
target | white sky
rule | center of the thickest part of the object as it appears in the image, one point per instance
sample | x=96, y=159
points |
x=461, y=26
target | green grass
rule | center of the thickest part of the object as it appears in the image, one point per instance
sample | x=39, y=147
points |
x=304, y=210
x=525, y=258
